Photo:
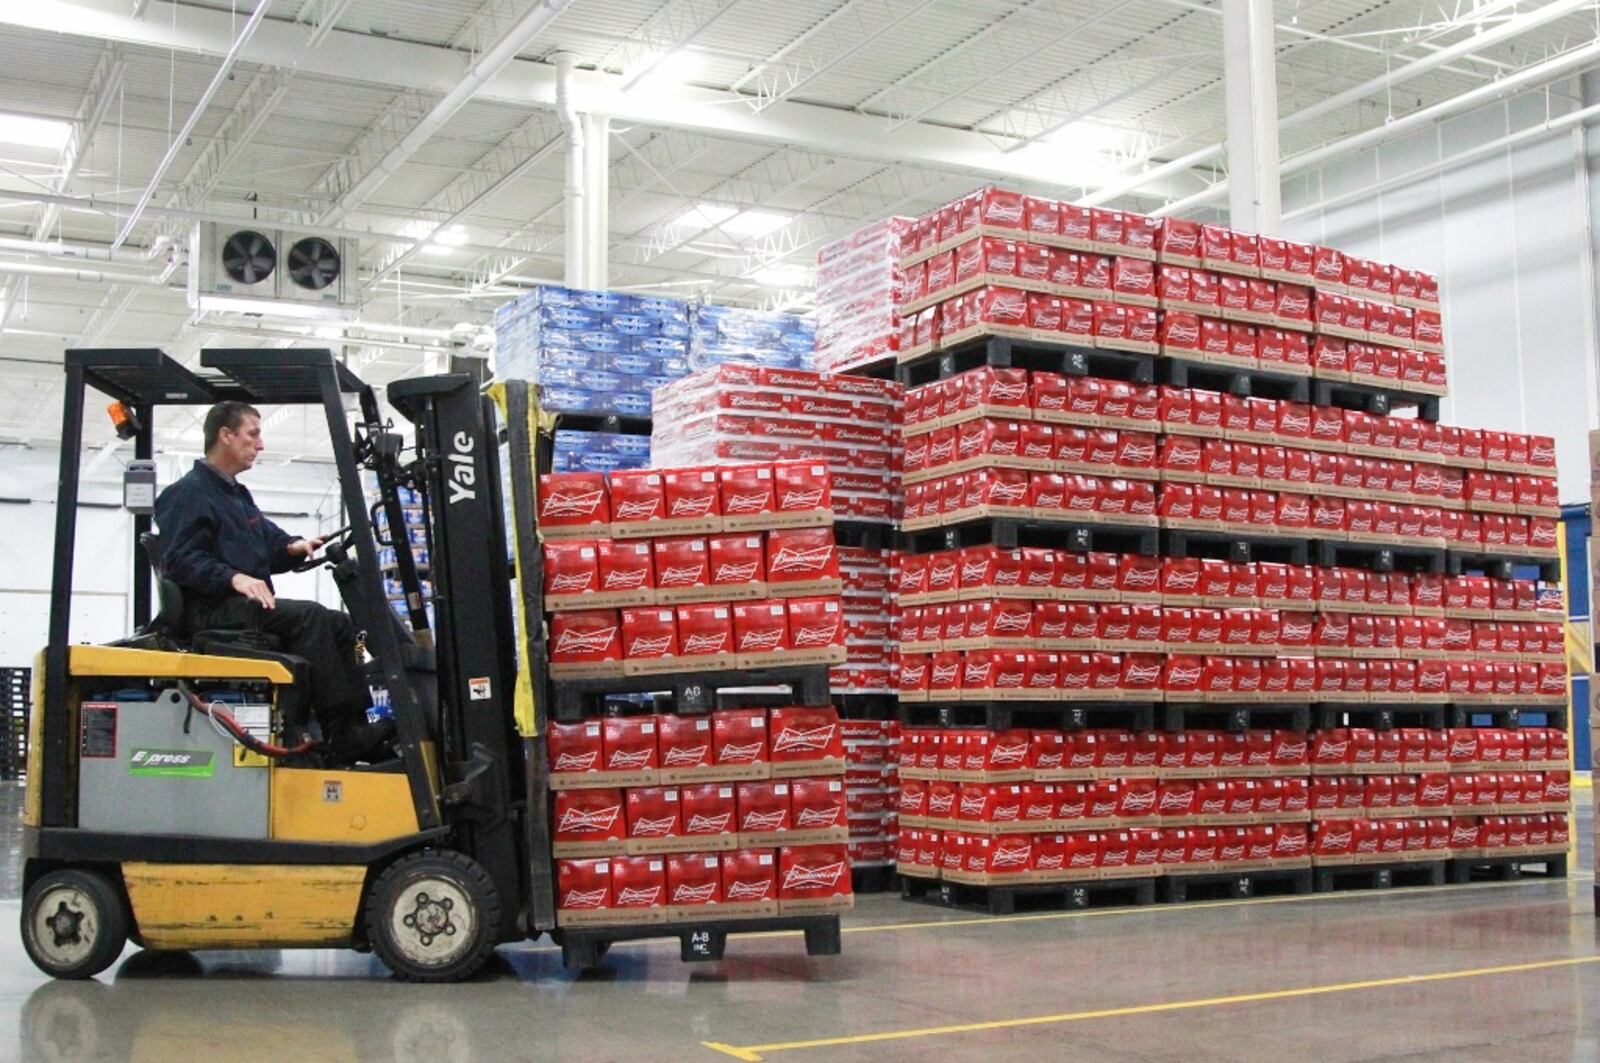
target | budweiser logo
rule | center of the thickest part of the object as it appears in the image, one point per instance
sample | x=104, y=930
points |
x=791, y=560
x=1140, y=673
x=1000, y=756
x=760, y=641
x=584, y=898
x=685, y=894
x=1182, y=581
x=576, y=821
x=1183, y=676
x=1010, y=622
x=791, y=739
x=649, y=647
x=637, y=897
x=691, y=506
x=1182, y=332
x=748, y=891
x=563, y=504
x=637, y=509
x=793, y=499
x=941, y=804
x=707, y=643
x=570, y=583
x=752, y=503
x=625, y=579
x=971, y=806
x=746, y=754
x=825, y=877
x=1137, y=578
x=684, y=756
x=1011, y=856
x=1005, y=391
x=574, y=641
x=762, y=821
x=728, y=572
x=1177, y=801
x=1138, y=453
x=679, y=576
x=651, y=828
x=1006, y=493
x=576, y=761
x=944, y=674
x=1293, y=423
x=824, y=635
x=817, y=817
x=1139, y=801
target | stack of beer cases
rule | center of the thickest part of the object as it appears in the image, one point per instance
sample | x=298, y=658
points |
x=860, y=284
x=666, y=818
x=416, y=538
x=997, y=262
x=867, y=622
x=1411, y=794
x=1039, y=624
x=654, y=571
x=872, y=790
x=1045, y=806
x=753, y=413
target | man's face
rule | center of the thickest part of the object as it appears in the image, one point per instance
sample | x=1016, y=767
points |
x=239, y=446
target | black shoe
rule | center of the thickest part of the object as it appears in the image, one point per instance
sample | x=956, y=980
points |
x=366, y=743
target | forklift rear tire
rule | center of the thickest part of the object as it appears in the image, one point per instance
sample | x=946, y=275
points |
x=74, y=924
x=433, y=916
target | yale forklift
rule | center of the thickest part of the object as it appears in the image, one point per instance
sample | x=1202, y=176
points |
x=175, y=794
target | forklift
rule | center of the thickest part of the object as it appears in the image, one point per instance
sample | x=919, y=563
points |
x=175, y=795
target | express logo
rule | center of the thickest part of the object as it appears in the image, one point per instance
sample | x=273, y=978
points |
x=573, y=641
x=569, y=504
x=577, y=821
x=800, y=877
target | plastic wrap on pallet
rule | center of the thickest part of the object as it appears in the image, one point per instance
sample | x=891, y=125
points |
x=722, y=335
x=859, y=285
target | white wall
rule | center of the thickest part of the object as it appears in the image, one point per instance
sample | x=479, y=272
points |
x=1508, y=236
x=102, y=608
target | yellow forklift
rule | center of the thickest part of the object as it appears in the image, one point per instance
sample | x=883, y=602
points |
x=175, y=795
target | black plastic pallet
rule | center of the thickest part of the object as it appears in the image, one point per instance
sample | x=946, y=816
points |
x=1505, y=868
x=583, y=947
x=616, y=423
x=864, y=534
x=866, y=706
x=693, y=693
x=1069, y=359
x=1379, y=876
x=1383, y=716
x=1004, y=715
x=1372, y=399
x=1329, y=553
x=880, y=878
x=1182, y=715
x=1054, y=896
x=1500, y=564
x=1009, y=533
x=1498, y=715
x=1239, y=381
x=1180, y=888
x=1229, y=546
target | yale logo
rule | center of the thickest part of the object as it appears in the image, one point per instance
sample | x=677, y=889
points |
x=172, y=763
x=463, y=474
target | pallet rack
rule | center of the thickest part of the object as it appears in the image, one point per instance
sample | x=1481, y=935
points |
x=16, y=685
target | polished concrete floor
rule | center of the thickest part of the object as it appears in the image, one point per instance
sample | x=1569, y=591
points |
x=1462, y=973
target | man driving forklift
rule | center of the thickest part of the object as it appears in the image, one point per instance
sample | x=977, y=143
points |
x=223, y=552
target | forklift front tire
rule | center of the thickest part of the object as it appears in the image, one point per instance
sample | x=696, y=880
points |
x=433, y=916
x=74, y=924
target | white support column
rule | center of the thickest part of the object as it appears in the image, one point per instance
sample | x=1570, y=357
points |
x=1250, y=67
x=596, y=200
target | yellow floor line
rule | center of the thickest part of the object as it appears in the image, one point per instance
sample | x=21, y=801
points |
x=757, y=1053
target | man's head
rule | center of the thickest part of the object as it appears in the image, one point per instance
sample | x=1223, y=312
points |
x=233, y=436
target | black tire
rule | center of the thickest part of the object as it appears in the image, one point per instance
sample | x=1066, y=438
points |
x=74, y=924
x=433, y=916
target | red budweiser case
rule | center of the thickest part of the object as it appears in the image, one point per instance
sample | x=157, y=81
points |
x=573, y=505
x=638, y=503
x=705, y=632
x=684, y=748
x=638, y=888
x=587, y=643
x=805, y=741
x=708, y=814
x=588, y=823
x=750, y=882
x=626, y=574
x=802, y=562
x=745, y=496
x=655, y=819
x=736, y=566
x=760, y=632
x=739, y=743
x=802, y=492
x=583, y=891
x=682, y=569
x=816, y=630
x=576, y=754
x=571, y=573
x=694, y=883
x=817, y=812
x=763, y=812
x=649, y=639
x=693, y=501
x=814, y=879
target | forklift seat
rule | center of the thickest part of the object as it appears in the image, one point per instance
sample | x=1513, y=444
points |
x=171, y=619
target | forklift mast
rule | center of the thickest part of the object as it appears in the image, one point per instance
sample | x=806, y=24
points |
x=457, y=472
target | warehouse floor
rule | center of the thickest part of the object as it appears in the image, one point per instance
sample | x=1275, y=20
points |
x=1473, y=972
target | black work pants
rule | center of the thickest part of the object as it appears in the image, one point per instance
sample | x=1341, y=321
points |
x=325, y=638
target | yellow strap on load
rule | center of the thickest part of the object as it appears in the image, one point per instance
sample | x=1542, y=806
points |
x=524, y=703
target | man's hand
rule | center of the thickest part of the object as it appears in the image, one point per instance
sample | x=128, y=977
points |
x=304, y=547
x=254, y=589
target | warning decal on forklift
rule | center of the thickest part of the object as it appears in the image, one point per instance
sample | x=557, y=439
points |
x=478, y=689
x=99, y=730
x=172, y=763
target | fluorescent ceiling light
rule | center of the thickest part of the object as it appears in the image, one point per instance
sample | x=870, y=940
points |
x=454, y=236
x=732, y=221
x=439, y=239
x=328, y=332
x=782, y=277
x=34, y=132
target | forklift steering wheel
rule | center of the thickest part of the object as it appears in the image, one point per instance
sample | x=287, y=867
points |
x=345, y=539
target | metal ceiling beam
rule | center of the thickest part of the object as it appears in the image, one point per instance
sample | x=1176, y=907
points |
x=674, y=25
x=427, y=69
